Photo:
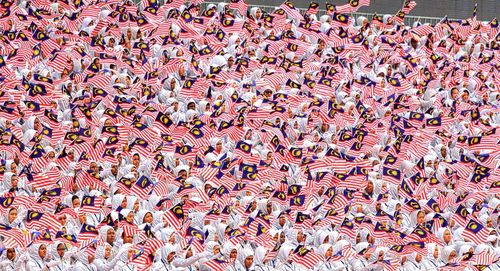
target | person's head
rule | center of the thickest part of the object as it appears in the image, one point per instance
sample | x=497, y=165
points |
x=135, y=159
x=114, y=170
x=170, y=256
x=216, y=250
x=62, y=220
x=269, y=207
x=453, y=254
x=124, y=203
x=253, y=205
x=93, y=167
x=11, y=254
x=130, y=217
x=443, y=151
x=82, y=217
x=61, y=249
x=230, y=61
x=75, y=200
x=321, y=190
x=258, y=14
x=420, y=217
x=107, y=252
x=37, y=124
x=329, y=252
x=42, y=251
x=269, y=156
x=414, y=43
x=418, y=257
x=218, y=146
x=136, y=206
x=13, y=168
x=465, y=96
x=8, y=124
x=447, y=236
x=454, y=93
x=148, y=218
x=183, y=174
x=71, y=155
x=276, y=237
x=127, y=239
x=370, y=239
x=300, y=236
x=282, y=237
x=189, y=253
x=369, y=187
x=208, y=187
x=282, y=219
x=110, y=236
x=14, y=180
x=233, y=254
x=248, y=261
x=12, y=215
x=381, y=255
x=248, y=134
x=489, y=222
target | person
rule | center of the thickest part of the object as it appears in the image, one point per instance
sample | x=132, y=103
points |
x=85, y=262
x=432, y=259
x=104, y=260
x=444, y=234
x=447, y=255
x=36, y=258
x=285, y=262
x=413, y=262
x=10, y=260
x=326, y=250
x=169, y=260
x=361, y=263
x=246, y=256
x=61, y=255
x=124, y=258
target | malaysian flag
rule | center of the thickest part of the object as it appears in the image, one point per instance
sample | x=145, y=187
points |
x=142, y=188
x=352, y=6
x=175, y=216
x=306, y=257
x=87, y=232
x=475, y=232
x=290, y=9
x=41, y=220
x=313, y=8
x=408, y=6
x=91, y=204
x=240, y=6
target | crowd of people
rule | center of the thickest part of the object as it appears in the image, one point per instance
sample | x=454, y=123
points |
x=186, y=136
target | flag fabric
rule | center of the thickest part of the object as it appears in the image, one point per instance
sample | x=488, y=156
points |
x=178, y=124
x=476, y=232
x=352, y=6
